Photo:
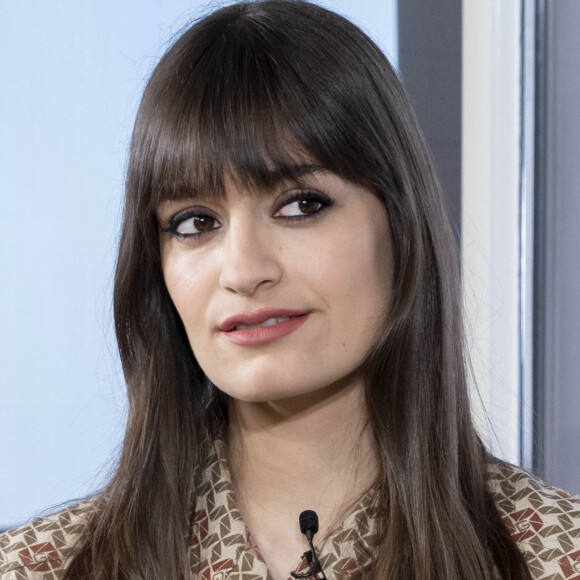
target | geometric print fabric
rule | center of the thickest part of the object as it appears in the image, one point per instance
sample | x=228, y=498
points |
x=543, y=520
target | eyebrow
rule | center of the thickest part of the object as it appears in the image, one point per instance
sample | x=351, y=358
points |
x=269, y=179
x=291, y=172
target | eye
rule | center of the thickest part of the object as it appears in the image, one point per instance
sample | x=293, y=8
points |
x=191, y=223
x=303, y=205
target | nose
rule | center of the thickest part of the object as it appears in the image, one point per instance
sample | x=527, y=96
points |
x=251, y=259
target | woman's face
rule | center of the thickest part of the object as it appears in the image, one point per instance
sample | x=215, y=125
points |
x=281, y=292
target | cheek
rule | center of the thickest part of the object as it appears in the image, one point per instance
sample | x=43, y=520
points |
x=188, y=292
x=351, y=276
x=366, y=286
x=357, y=268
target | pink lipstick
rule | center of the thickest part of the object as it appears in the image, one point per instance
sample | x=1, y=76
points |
x=262, y=326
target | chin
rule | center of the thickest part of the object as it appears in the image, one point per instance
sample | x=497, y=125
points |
x=303, y=391
x=264, y=394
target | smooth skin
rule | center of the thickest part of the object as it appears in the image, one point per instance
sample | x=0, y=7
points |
x=297, y=436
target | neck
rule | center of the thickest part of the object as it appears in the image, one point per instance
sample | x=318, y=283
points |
x=312, y=452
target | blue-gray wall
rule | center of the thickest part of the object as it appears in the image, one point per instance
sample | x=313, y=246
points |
x=557, y=251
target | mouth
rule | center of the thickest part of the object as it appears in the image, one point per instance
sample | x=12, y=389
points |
x=263, y=326
x=260, y=319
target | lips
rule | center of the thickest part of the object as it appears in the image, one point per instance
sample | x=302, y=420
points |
x=259, y=319
x=263, y=326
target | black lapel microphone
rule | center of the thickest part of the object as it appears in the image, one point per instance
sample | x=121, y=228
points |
x=308, y=521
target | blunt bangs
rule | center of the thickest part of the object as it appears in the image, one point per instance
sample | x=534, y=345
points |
x=236, y=96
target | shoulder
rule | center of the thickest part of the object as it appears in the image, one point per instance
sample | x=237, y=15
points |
x=42, y=548
x=543, y=520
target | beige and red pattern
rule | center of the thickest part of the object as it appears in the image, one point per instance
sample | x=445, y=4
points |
x=543, y=520
x=41, y=549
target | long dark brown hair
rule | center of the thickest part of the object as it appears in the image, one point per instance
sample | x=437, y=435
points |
x=251, y=91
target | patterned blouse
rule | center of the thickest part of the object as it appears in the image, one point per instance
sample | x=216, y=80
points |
x=543, y=521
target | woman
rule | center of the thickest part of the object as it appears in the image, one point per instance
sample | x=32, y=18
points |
x=288, y=315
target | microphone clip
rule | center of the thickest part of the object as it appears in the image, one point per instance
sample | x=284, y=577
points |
x=309, y=557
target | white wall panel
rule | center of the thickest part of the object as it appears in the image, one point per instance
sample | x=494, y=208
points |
x=490, y=215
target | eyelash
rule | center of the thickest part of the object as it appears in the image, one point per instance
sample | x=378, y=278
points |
x=312, y=196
